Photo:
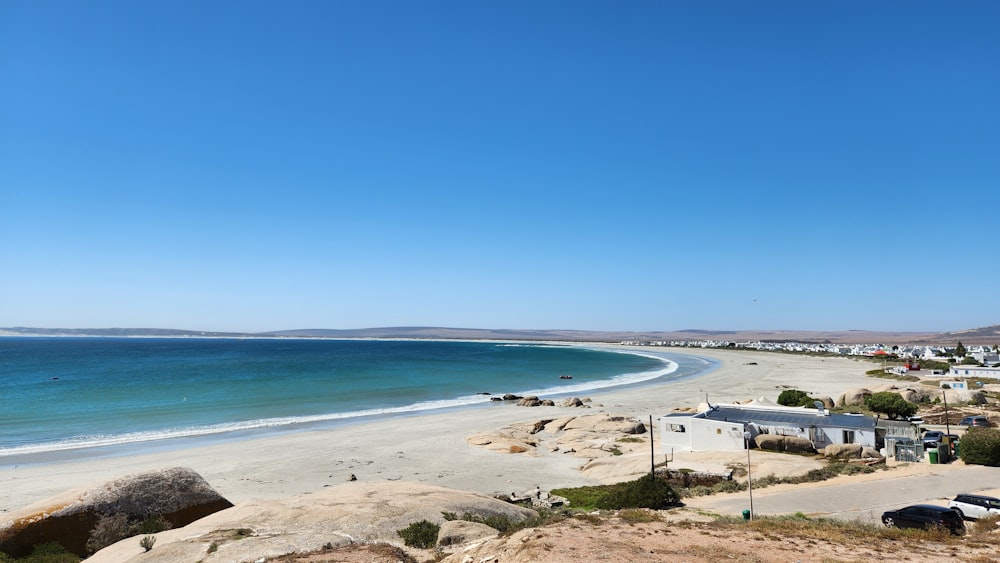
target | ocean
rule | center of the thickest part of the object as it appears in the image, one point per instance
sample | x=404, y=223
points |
x=72, y=393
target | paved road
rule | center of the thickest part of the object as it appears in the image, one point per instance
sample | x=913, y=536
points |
x=861, y=500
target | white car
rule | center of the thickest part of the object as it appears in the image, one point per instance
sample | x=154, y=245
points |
x=974, y=507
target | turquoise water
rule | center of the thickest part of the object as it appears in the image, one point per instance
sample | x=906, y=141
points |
x=70, y=393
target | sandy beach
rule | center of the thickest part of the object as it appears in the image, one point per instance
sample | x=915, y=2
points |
x=431, y=447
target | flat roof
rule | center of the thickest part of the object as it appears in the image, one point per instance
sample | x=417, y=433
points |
x=805, y=419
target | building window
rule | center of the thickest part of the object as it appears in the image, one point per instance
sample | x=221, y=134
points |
x=675, y=427
x=848, y=436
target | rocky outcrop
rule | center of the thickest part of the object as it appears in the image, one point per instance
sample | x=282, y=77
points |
x=606, y=423
x=589, y=437
x=915, y=393
x=355, y=512
x=176, y=495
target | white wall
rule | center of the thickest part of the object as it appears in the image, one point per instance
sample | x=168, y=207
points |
x=700, y=435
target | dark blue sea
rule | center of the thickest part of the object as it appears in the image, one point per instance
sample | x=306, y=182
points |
x=70, y=393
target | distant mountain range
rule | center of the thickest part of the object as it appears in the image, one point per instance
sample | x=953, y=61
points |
x=985, y=335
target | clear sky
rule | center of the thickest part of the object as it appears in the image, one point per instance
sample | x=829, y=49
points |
x=253, y=166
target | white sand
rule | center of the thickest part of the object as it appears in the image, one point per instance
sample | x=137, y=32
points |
x=431, y=447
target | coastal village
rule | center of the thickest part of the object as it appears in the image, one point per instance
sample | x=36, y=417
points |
x=719, y=455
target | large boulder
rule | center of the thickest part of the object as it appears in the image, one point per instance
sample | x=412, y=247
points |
x=797, y=445
x=176, y=495
x=843, y=451
x=459, y=532
x=791, y=444
x=854, y=397
x=770, y=442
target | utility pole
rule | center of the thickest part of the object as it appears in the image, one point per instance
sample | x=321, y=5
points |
x=652, y=450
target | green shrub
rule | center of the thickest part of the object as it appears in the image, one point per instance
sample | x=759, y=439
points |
x=794, y=398
x=647, y=491
x=422, y=534
x=890, y=404
x=111, y=528
x=51, y=552
x=147, y=542
x=981, y=446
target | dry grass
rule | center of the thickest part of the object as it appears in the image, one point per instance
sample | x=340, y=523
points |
x=673, y=537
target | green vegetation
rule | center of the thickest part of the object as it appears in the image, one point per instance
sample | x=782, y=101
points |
x=43, y=553
x=960, y=350
x=981, y=446
x=882, y=374
x=890, y=404
x=422, y=534
x=147, y=542
x=630, y=440
x=795, y=398
x=645, y=492
x=646, y=488
x=116, y=527
x=831, y=470
x=505, y=524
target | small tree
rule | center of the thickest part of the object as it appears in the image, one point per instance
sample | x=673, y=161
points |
x=981, y=446
x=890, y=404
x=794, y=398
x=422, y=534
x=960, y=350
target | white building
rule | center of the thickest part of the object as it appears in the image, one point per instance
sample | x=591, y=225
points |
x=721, y=427
x=974, y=371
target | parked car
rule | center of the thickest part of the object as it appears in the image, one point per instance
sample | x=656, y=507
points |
x=974, y=507
x=916, y=420
x=976, y=422
x=931, y=438
x=925, y=516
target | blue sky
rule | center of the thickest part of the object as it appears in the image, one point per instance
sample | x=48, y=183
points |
x=583, y=165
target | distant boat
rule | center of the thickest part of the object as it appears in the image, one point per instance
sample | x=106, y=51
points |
x=565, y=377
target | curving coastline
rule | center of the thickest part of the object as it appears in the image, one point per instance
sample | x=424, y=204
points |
x=430, y=446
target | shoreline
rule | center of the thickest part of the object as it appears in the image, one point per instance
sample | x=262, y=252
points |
x=430, y=446
x=127, y=443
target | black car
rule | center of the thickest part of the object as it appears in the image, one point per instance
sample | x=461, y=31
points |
x=926, y=516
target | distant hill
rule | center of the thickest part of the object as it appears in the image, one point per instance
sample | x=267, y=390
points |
x=120, y=332
x=986, y=335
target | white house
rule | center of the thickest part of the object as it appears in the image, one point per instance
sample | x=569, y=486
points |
x=721, y=427
x=974, y=371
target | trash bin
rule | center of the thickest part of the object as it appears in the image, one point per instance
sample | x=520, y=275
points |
x=932, y=454
x=956, y=451
x=746, y=514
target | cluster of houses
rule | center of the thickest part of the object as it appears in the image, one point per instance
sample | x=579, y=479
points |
x=736, y=426
x=986, y=355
